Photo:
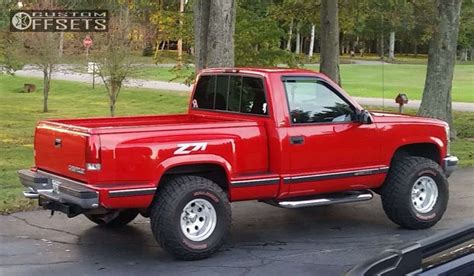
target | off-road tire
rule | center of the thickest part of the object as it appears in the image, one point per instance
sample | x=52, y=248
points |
x=397, y=189
x=168, y=205
x=123, y=218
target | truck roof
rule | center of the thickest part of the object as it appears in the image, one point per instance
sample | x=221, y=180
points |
x=261, y=71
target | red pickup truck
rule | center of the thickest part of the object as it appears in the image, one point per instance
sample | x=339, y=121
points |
x=288, y=137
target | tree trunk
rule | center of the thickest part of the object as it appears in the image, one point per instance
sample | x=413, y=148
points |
x=341, y=44
x=47, y=70
x=113, y=97
x=330, y=40
x=311, y=41
x=463, y=55
x=290, y=36
x=382, y=46
x=436, y=101
x=201, y=24
x=180, y=40
x=61, y=44
x=391, y=46
x=220, y=41
x=112, y=109
x=298, y=39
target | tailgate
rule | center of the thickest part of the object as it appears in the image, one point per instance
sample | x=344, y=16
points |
x=61, y=151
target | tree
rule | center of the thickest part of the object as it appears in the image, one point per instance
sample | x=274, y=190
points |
x=311, y=41
x=330, y=40
x=39, y=49
x=201, y=26
x=262, y=49
x=114, y=59
x=391, y=46
x=48, y=57
x=214, y=26
x=290, y=36
x=436, y=101
x=298, y=38
x=466, y=31
x=180, y=40
x=220, y=43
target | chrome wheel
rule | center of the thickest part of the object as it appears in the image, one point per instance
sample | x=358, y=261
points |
x=424, y=194
x=198, y=220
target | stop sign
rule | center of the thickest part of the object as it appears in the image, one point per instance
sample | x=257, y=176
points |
x=87, y=42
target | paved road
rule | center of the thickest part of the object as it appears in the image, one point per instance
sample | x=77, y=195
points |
x=64, y=73
x=264, y=240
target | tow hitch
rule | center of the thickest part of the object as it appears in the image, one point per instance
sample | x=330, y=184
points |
x=69, y=210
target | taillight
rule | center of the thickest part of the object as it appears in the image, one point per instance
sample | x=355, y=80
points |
x=93, y=153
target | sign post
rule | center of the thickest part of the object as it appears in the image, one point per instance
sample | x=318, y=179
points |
x=87, y=43
x=92, y=68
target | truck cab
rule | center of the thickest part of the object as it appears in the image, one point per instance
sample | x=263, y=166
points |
x=288, y=137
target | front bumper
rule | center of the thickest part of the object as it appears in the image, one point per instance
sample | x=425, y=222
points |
x=450, y=164
x=57, y=193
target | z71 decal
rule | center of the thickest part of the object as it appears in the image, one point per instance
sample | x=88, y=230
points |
x=190, y=147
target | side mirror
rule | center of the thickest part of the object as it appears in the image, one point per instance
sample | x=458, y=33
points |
x=363, y=117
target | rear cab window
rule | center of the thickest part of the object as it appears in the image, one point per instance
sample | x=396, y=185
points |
x=231, y=93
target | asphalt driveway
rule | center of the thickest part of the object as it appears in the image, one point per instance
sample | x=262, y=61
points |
x=264, y=240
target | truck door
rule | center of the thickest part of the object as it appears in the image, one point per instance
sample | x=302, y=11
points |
x=328, y=150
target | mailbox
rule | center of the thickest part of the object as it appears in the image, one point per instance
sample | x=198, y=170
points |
x=401, y=100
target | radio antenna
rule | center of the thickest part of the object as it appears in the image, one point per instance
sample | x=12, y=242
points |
x=383, y=58
x=383, y=85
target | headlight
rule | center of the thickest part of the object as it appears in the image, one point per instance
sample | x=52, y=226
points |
x=448, y=151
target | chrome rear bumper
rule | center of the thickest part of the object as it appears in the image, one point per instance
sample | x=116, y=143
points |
x=53, y=188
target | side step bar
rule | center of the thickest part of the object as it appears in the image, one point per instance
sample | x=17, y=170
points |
x=326, y=199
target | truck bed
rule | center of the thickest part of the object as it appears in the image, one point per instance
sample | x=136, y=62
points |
x=65, y=146
x=106, y=125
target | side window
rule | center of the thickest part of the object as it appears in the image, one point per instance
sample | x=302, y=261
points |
x=204, y=95
x=231, y=93
x=253, y=96
x=235, y=93
x=222, y=87
x=313, y=101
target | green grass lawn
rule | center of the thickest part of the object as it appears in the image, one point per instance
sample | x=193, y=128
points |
x=19, y=113
x=159, y=73
x=365, y=80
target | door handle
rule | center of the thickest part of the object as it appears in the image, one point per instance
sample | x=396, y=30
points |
x=296, y=140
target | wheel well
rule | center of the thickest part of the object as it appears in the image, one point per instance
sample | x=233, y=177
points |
x=426, y=150
x=212, y=172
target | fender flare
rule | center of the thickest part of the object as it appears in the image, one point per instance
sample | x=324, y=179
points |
x=194, y=159
x=406, y=141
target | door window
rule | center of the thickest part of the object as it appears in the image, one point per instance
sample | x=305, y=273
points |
x=314, y=101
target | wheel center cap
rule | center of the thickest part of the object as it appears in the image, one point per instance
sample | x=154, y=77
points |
x=192, y=217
